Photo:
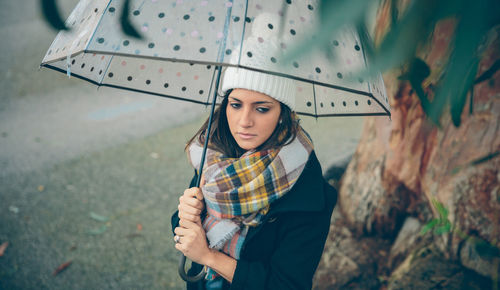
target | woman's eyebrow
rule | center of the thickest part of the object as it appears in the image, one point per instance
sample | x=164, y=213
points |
x=260, y=102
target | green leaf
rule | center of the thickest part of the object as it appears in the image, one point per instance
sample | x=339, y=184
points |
x=417, y=73
x=51, y=14
x=429, y=226
x=448, y=8
x=488, y=73
x=127, y=27
x=485, y=249
x=98, y=231
x=471, y=29
x=365, y=39
x=476, y=162
x=485, y=158
x=458, y=102
x=443, y=229
x=394, y=12
x=442, y=211
x=402, y=39
x=98, y=217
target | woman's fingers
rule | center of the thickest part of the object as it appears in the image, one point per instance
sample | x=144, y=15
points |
x=188, y=208
x=190, y=217
x=194, y=192
x=192, y=241
x=192, y=202
x=181, y=231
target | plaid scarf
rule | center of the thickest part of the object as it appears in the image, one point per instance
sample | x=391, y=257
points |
x=239, y=191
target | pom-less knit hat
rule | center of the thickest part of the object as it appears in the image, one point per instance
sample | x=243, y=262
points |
x=279, y=88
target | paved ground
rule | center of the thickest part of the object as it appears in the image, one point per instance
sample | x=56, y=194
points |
x=92, y=177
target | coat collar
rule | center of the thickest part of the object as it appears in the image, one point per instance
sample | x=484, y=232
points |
x=308, y=192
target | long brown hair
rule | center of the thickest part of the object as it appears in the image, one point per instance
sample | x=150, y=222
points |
x=222, y=140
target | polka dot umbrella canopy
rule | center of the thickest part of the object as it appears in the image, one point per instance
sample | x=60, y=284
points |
x=186, y=44
x=184, y=41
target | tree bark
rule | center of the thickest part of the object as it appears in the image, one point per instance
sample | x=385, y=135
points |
x=402, y=164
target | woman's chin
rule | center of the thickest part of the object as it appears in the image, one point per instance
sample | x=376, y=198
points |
x=247, y=144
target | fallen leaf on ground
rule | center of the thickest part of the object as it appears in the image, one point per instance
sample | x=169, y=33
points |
x=3, y=247
x=98, y=217
x=62, y=267
x=139, y=227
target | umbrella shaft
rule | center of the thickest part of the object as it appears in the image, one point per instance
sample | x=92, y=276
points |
x=209, y=126
x=182, y=261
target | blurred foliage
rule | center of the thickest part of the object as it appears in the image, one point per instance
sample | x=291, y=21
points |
x=53, y=17
x=412, y=23
x=127, y=27
x=411, y=28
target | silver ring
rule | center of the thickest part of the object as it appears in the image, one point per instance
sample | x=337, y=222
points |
x=177, y=239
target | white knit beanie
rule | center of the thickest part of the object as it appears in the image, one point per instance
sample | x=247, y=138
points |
x=259, y=48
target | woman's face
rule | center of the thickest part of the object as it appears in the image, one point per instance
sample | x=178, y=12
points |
x=252, y=117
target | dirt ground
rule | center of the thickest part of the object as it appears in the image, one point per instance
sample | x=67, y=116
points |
x=89, y=179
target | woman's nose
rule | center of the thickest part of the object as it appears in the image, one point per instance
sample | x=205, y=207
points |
x=246, y=118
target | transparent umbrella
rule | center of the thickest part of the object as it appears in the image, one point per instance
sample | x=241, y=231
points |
x=186, y=45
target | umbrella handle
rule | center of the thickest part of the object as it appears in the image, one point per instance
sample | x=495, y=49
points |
x=182, y=260
x=185, y=276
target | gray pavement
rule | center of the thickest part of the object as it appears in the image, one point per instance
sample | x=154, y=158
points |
x=92, y=176
x=42, y=130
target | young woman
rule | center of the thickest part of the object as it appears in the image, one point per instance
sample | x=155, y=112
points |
x=262, y=215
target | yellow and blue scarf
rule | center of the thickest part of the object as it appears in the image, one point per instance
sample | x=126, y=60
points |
x=239, y=191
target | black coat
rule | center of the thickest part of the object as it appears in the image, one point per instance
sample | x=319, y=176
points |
x=284, y=251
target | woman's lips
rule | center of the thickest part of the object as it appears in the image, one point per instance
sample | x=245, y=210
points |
x=246, y=136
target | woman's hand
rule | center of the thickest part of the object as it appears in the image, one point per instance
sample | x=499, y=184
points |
x=192, y=242
x=191, y=205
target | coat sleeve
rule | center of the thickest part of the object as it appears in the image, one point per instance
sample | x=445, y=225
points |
x=293, y=264
x=174, y=220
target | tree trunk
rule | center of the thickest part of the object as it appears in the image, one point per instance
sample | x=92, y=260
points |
x=402, y=165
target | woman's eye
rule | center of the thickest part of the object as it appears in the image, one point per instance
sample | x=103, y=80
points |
x=235, y=105
x=262, y=110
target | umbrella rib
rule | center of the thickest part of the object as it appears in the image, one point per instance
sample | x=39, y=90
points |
x=380, y=104
x=343, y=115
x=243, y=32
x=240, y=66
x=72, y=74
x=106, y=69
x=308, y=81
x=123, y=88
x=368, y=83
x=98, y=23
x=315, y=106
x=222, y=46
x=203, y=103
x=154, y=94
x=211, y=87
x=220, y=54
